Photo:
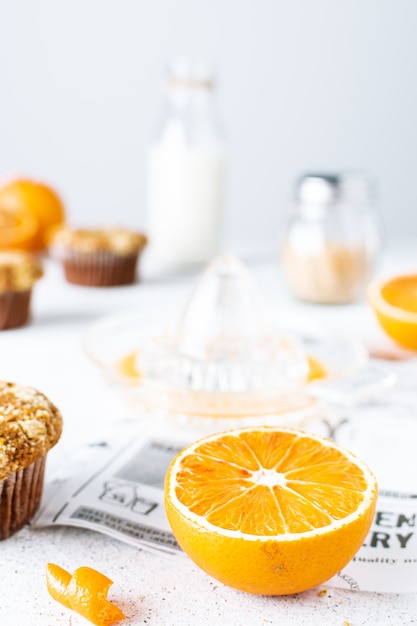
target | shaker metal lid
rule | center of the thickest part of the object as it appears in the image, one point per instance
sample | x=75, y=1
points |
x=353, y=188
x=318, y=188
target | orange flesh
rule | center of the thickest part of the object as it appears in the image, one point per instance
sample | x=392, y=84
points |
x=269, y=483
x=402, y=293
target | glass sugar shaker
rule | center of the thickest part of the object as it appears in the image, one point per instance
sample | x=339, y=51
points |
x=333, y=238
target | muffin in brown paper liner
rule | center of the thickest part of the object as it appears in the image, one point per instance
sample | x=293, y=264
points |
x=18, y=273
x=104, y=257
x=20, y=496
x=99, y=269
x=30, y=425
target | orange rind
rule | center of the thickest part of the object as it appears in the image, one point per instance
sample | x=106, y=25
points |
x=394, y=302
x=85, y=591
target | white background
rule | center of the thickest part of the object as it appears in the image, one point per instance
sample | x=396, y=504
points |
x=303, y=85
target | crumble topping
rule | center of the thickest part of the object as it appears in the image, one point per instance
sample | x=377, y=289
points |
x=18, y=271
x=29, y=426
x=116, y=240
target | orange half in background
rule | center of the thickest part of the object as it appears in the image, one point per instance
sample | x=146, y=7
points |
x=394, y=302
x=29, y=210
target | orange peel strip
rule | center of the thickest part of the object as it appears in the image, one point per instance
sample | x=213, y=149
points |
x=85, y=591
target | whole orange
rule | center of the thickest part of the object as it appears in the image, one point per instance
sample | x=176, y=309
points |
x=29, y=210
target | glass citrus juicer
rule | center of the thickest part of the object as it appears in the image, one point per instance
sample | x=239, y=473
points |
x=225, y=360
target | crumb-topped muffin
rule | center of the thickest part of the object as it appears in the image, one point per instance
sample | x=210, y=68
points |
x=18, y=273
x=30, y=425
x=99, y=257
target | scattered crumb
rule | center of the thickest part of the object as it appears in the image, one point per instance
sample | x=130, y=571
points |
x=346, y=623
x=322, y=593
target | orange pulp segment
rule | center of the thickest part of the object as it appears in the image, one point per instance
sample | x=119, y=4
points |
x=402, y=293
x=85, y=592
x=269, y=510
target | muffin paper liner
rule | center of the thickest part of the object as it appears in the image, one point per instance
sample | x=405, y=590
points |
x=20, y=496
x=14, y=308
x=99, y=269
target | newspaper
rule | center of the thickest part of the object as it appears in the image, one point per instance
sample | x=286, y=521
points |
x=118, y=489
x=387, y=561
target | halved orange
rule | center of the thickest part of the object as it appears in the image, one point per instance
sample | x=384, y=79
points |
x=394, y=302
x=269, y=510
x=29, y=210
x=85, y=591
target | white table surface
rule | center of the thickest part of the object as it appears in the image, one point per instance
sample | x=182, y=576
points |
x=151, y=589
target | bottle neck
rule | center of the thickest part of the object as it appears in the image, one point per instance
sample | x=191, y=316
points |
x=189, y=117
x=183, y=95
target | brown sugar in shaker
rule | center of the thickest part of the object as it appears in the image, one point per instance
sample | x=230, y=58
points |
x=332, y=239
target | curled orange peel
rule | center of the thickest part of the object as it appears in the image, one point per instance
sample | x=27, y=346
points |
x=85, y=591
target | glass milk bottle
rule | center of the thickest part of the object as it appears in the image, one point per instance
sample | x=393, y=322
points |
x=186, y=172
